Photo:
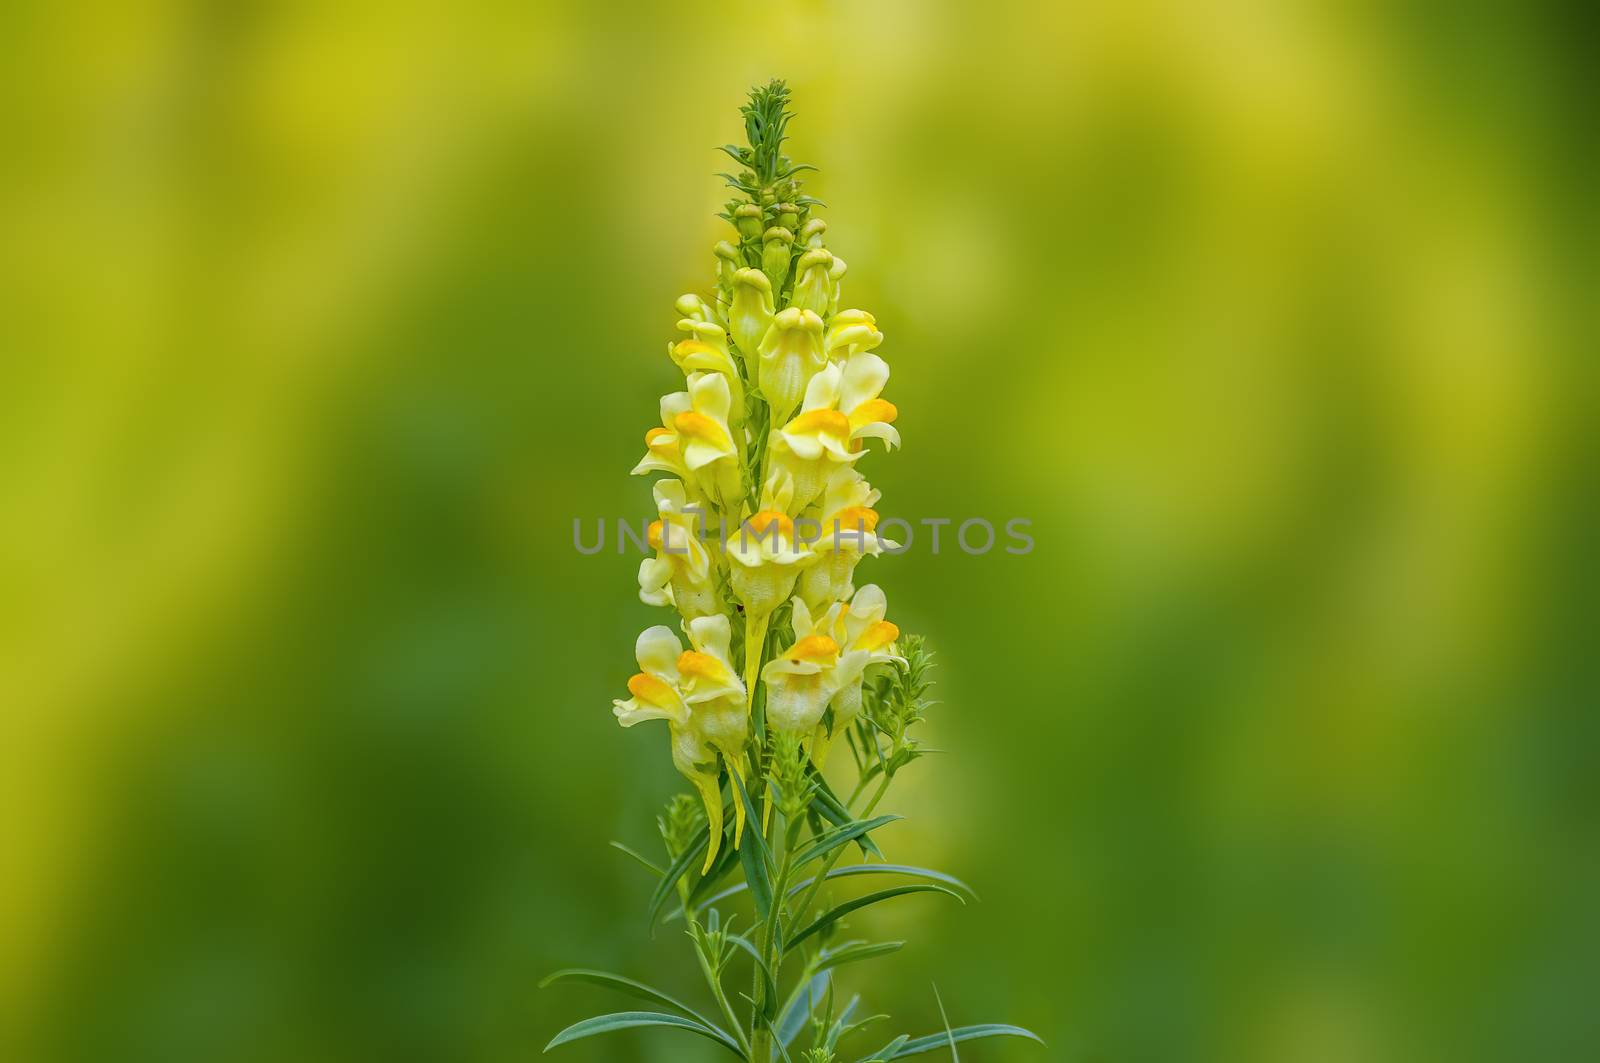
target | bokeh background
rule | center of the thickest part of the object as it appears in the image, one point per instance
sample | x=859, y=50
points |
x=322, y=323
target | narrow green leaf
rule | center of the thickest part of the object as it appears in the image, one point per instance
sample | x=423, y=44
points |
x=828, y=805
x=754, y=855
x=893, y=869
x=856, y=952
x=726, y=858
x=680, y=866
x=777, y=1042
x=901, y=1048
x=625, y=985
x=834, y=914
x=887, y=1051
x=646, y=861
x=950, y=1036
x=627, y=1020
x=839, y=835
x=838, y=872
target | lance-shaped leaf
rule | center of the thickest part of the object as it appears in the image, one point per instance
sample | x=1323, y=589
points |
x=645, y=860
x=755, y=856
x=627, y=1020
x=827, y=804
x=855, y=952
x=887, y=1051
x=847, y=871
x=836, y=913
x=624, y=985
x=840, y=835
x=892, y=869
x=901, y=1048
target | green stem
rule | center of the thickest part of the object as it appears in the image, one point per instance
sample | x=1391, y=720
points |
x=772, y=956
x=713, y=980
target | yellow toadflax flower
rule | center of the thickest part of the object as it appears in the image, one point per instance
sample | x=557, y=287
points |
x=848, y=533
x=682, y=574
x=695, y=441
x=657, y=694
x=859, y=628
x=804, y=678
x=791, y=352
x=719, y=710
x=706, y=351
x=841, y=410
x=765, y=557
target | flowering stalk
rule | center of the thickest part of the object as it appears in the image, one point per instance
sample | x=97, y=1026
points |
x=763, y=516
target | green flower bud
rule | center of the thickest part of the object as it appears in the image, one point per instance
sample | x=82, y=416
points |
x=788, y=216
x=813, y=282
x=775, y=247
x=812, y=234
x=750, y=314
x=836, y=274
x=747, y=219
x=695, y=308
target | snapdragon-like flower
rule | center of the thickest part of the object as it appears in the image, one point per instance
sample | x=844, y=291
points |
x=695, y=441
x=751, y=312
x=860, y=627
x=850, y=331
x=682, y=574
x=657, y=693
x=804, y=678
x=706, y=351
x=790, y=353
x=842, y=409
x=765, y=557
x=719, y=710
x=848, y=533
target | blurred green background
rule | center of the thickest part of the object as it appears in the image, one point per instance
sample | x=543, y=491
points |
x=323, y=322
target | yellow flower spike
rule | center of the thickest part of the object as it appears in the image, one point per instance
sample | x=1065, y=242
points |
x=682, y=574
x=751, y=313
x=776, y=243
x=813, y=283
x=790, y=355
